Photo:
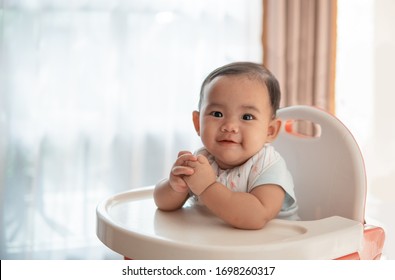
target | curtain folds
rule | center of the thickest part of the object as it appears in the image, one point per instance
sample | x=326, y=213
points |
x=299, y=42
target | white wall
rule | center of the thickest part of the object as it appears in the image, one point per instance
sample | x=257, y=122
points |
x=382, y=146
x=383, y=136
x=365, y=90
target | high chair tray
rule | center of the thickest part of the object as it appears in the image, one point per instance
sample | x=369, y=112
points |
x=130, y=224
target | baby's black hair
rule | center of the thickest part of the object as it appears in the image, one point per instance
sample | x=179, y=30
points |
x=253, y=71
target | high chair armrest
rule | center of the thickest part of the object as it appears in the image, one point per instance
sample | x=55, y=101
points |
x=373, y=242
x=372, y=245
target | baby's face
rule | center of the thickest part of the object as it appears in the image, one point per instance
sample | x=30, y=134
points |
x=235, y=119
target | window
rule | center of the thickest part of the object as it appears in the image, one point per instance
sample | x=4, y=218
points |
x=96, y=98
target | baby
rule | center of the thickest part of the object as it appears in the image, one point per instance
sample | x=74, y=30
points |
x=237, y=174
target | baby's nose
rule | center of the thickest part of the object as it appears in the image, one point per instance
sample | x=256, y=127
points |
x=230, y=127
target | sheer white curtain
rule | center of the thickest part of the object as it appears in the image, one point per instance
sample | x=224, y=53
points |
x=96, y=98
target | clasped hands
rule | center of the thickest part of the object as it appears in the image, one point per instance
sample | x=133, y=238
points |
x=191, y=172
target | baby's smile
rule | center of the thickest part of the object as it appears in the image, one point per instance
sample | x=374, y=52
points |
x=228, y=140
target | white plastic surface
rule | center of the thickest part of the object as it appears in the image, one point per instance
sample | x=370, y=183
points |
x=328, y=171
x=130, y=224
x=330, y=186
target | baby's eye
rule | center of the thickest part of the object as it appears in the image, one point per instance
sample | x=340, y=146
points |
x=248, y=117
x=216, y=114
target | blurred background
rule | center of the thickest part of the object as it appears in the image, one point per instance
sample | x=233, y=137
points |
x=96, y=98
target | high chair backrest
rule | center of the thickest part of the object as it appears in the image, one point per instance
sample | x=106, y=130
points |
x=327, y=167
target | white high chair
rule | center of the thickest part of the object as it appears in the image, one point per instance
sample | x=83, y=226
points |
x=330, y=186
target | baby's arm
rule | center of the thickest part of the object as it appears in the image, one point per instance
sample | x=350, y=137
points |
x=171, y=194
x=242, y=210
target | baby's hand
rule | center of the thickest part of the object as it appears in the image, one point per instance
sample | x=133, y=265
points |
x=202, y=177
x=180, y=170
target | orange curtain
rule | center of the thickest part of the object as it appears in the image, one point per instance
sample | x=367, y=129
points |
x=299, y=46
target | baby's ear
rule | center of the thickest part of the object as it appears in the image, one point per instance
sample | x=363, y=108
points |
x=196, y=121
x=273, y=130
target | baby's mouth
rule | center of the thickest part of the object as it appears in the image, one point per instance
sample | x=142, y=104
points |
x=228, y=142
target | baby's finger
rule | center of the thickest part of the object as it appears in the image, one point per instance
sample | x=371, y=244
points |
x=182, y=170
x=184, y=158
x=192, y=164
x=180, y=153
x=202, y=159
